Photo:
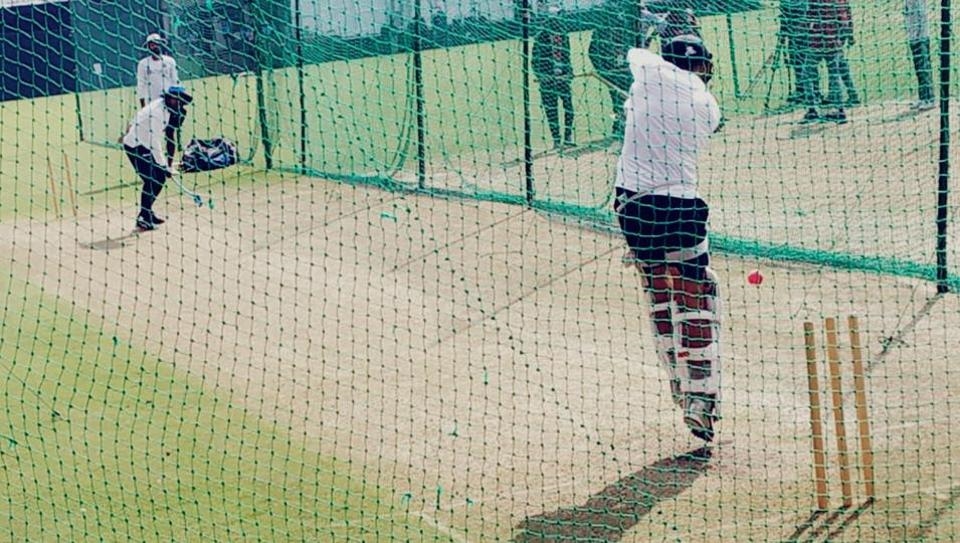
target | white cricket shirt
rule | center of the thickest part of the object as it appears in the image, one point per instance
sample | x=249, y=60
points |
x=146, y=129
x=670, y=116
x=155, y=75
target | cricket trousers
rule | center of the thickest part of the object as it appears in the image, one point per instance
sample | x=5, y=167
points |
x=152, y=174
x=553, y=92
x=920, y=52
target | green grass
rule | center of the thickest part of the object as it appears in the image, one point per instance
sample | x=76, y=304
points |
x=359, y=114
x=359, y=118
x=35, y=131
x=101, y=440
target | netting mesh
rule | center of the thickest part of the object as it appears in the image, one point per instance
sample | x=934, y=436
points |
x=403, y=315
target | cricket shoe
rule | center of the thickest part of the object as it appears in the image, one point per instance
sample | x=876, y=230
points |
x=838, y=116
x=923, y=105
x=145, y=224
x=811, y=116
x=699, y=415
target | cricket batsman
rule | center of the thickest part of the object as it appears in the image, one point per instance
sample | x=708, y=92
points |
x=144, y=144
x=670, y=116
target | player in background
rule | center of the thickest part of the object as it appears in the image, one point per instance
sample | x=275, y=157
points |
x=624, y=25
x=829, y=32
x=155, y=74
x=554, y=71
x=670, y=116
x=144, y=146
x=791, y=39
x=918, y=36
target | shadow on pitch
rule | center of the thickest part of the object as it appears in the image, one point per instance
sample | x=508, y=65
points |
x=927, y=525
x=609, y=514
x=809, y=130
x=109, y=244
x=829, y=526
x=821, y=522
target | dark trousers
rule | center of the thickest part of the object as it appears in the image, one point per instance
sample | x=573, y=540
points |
x=553, y=91
x=920, y=51
x=656, y=224
x=808, y=78
x=792, y=60
x=171, y=137
x=839, y=79
x=152, y=174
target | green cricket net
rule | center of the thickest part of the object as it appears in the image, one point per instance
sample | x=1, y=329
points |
x=403, y=315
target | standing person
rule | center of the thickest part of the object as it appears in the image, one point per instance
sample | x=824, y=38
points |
x=918, y=36
x=143, y=144
x=670, y=117
x=791, y=39
x=620, y=30
x=830, y=30
x=554, y=71
x=841, y=70
x=156, y=72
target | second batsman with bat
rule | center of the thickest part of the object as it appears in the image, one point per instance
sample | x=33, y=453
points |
x=146, y=142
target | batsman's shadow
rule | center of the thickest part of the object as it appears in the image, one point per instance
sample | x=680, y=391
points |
x=610, y=513
x=109, y=244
